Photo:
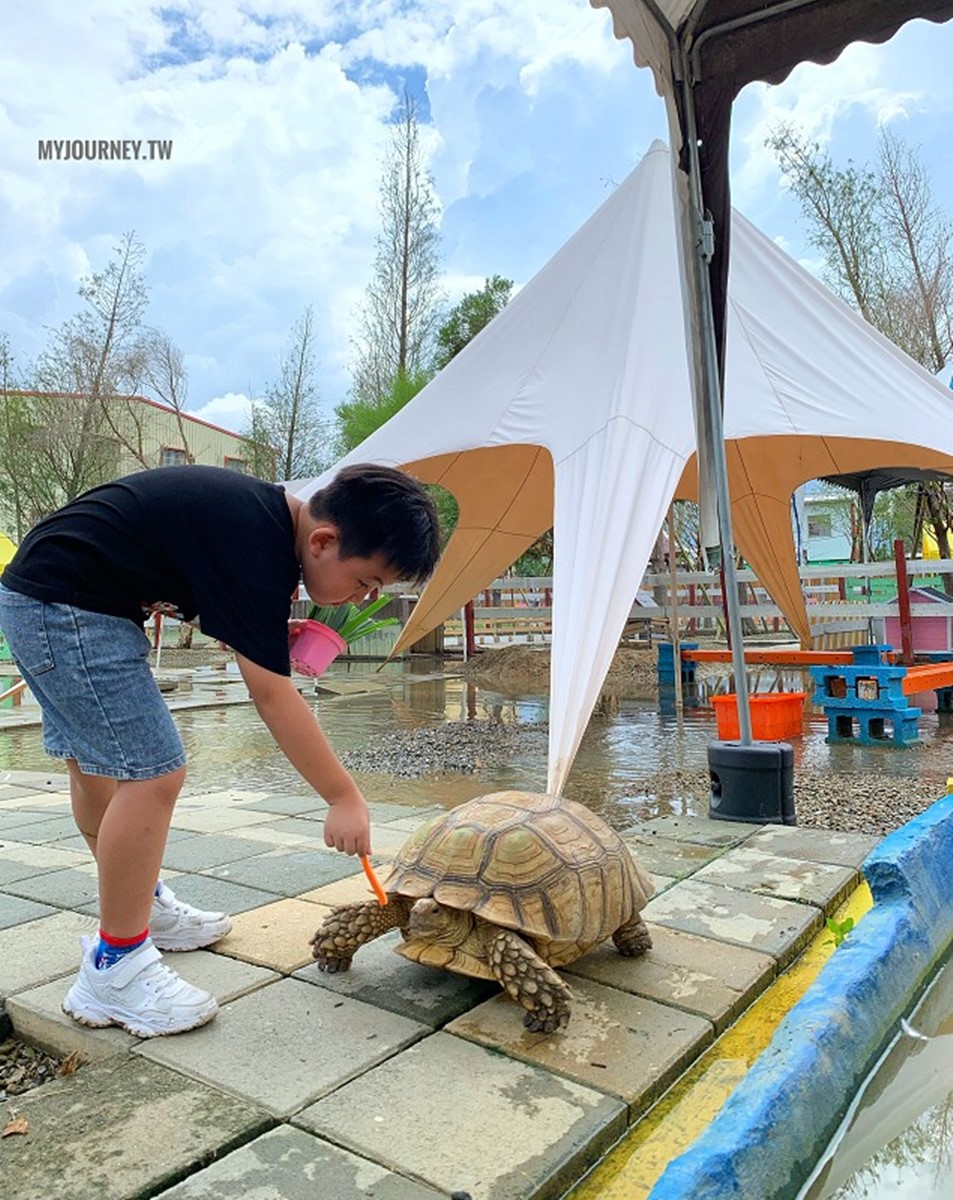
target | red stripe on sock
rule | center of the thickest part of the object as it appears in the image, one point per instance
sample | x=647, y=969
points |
x=119, y=942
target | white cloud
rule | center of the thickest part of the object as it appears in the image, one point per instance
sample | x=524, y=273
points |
x=278, y=112
x=231, y=411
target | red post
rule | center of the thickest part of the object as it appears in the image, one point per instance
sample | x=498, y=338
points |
x=903, y=599
x=157, y=630
x=691, y=600
x=469, y=629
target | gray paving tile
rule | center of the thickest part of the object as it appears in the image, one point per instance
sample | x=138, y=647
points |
x=302, y=827
x=822, y=884
x=47, y=829
x=780, y=928
x=215, y=895
x=666, y=856
x=24, y=860
x=294, y=1165
x=288, y=872
x=713, y=979
x=703, y=830
x=383, y=813
x=288, y=805
x=818, y=845
x=13, y=818
x=14, y=911
x=484, y=1123
x=70, y=888
x=380, y=976
x=120, y=1128
x=286, y=1044
x=617, y=1042
x=199, y=852
x=45, y=946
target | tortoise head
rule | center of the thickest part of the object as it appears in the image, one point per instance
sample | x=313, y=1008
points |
x=437, y=923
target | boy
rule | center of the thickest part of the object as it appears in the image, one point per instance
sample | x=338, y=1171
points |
x=229, y=549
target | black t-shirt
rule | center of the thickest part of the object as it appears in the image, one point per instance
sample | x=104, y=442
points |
x=189, y=541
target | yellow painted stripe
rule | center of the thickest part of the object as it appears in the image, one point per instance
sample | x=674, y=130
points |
x=631, y=1170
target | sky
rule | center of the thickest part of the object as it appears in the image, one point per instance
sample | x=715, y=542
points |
x=278, y=115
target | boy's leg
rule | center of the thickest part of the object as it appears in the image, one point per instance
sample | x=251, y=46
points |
x=90, y=796
x=174, y=924
x=129, y=848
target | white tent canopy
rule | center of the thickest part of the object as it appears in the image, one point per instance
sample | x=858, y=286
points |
x=573, y=408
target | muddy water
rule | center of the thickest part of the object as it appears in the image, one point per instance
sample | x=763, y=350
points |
x=897, y=1144
x=628, y=742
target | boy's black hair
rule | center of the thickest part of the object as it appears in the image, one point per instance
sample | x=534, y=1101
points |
x=378, y=510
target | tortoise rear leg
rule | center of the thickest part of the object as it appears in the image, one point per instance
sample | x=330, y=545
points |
x=347, y=929
x=531, y=982
x=633, y=937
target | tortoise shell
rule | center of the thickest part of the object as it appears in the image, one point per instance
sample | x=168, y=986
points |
x=542, y=865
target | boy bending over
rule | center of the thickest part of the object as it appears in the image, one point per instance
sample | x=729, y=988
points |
x=229, y=550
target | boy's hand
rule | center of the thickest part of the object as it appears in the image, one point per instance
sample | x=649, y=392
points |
x=347, y=827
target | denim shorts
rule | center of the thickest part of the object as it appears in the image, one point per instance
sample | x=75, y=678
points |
x=90, y=675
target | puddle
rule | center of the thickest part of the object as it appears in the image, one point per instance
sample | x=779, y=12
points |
x=897, y=1142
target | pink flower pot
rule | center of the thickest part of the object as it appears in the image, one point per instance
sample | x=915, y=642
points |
x=315, y=648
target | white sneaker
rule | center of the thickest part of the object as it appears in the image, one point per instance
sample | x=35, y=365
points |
x=139, y=994
x=175, y=925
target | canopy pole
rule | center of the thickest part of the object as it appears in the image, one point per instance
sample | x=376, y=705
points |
x=676, y=639
x=701, y=253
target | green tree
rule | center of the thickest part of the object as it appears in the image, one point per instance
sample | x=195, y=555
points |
x=888, y=250
x=403, y=300
x=465, y=320
x=287, y=430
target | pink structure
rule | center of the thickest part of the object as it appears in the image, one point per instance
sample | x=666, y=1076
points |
x=929, y=632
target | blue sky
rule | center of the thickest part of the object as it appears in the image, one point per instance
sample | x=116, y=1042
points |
x=278, y=111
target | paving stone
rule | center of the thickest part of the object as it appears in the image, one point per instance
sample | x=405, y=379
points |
x=215, y=895
x=822, y=884
x=12, y=818
x=294, y=1165
x=484, y=1123
x=713, y=979
x=288, y=805
x=121, y=1129
x=198, y=852
x=666, y=856
x=345, y=891
x=274, y=936
x=45, y=946
x=383, y=814
x=780, y=928
x=47, y=829
x=380, y=976
x=616, y=1042
x=286, y=1044
x=702, y=830
x=15, y=911
x=71, y=888
x=218, y=819
x=288, y=872
x=38, y=1018
x=386, y=839
x=818, y=845
x=297, y=832
x=24, y=860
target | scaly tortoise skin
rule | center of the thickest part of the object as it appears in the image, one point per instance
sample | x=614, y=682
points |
x=504, y=887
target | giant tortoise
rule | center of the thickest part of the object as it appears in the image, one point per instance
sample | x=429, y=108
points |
x=504, y=887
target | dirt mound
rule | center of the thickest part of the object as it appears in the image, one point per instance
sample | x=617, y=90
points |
x=524, y=670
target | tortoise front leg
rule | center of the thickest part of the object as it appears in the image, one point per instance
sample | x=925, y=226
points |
x=531, y=982
x=347, y=929
x=632, y=938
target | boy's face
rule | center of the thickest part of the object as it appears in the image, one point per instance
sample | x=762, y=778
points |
x=330, y=579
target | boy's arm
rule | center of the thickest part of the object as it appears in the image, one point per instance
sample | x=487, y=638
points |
x=296, y=730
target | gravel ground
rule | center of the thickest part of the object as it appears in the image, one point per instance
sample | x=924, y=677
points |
x=22, y=1067
x=860, y=802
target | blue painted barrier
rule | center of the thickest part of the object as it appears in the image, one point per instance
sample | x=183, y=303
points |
x=774, y=1127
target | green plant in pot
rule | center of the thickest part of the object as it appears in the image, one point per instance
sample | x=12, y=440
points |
x=349, y=622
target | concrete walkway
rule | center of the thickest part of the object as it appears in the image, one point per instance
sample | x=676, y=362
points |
x=393, y=1081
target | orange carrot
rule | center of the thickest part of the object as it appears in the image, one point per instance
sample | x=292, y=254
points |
x=374, y=882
